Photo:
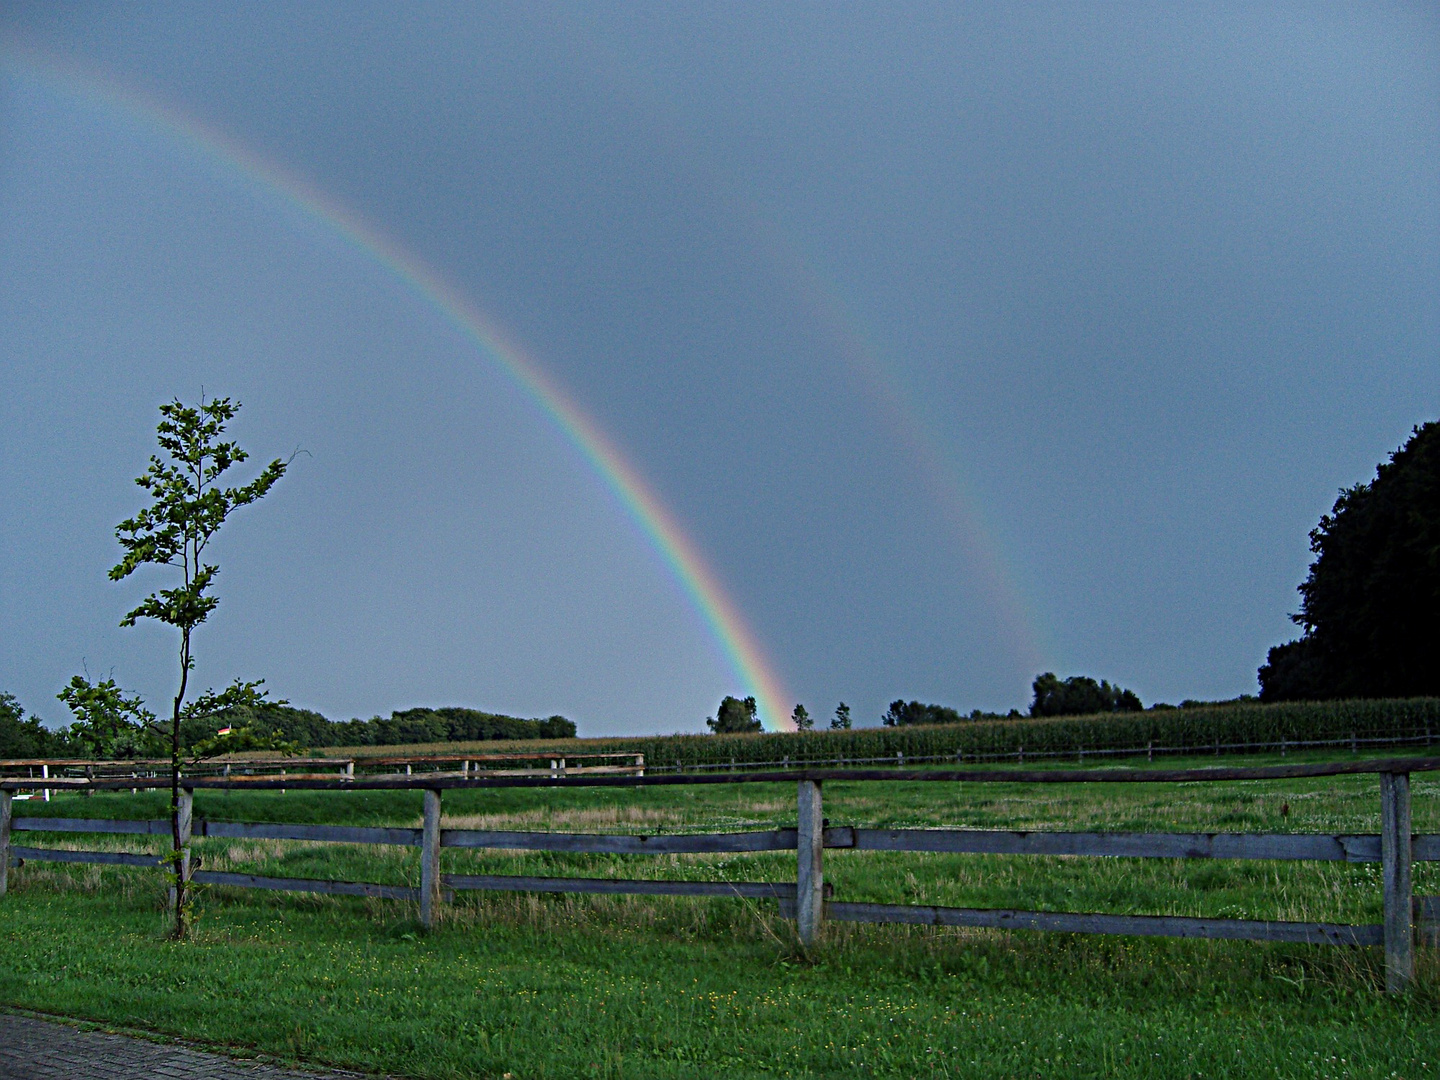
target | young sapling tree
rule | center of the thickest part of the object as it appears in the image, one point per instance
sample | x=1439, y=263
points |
x=188, y=506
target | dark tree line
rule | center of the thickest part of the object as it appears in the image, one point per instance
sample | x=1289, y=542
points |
x=1079, y=695
x=1370, y=607
x=905, y=713
x=103, y=731
x=407, y=727
x=21, y=737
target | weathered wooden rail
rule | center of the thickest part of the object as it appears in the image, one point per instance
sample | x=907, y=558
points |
x=808, y=898
x=253, y=768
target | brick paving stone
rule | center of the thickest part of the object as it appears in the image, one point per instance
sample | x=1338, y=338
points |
x=35, y=1049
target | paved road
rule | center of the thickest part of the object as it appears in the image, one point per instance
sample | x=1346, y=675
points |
x=32, y=1049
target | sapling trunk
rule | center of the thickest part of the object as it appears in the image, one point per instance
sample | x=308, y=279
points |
x=177, y=848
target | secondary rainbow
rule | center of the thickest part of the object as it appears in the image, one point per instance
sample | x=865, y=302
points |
x=737, y=643
x=1020, y=618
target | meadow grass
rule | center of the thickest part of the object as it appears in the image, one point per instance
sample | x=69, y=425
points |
x=642, y=986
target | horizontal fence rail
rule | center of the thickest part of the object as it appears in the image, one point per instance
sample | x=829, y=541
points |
x=1357, y=848
x=621, y=844
x=19, y=855
x=308, y=885
x=1309, y=846
x=91, y=825
x=247, y=771
x=1020, y=754
x=1131, y=925
x=450, y=782
x=757, y=890
x=809, y=899
x=233, y=830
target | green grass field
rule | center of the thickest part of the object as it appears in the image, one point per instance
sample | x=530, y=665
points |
x=638, y=986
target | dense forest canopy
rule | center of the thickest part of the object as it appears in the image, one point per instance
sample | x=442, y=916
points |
x=905, y=713
x=1079, y=695
x=1370, y=607
x=22, y=737
x=405, y=727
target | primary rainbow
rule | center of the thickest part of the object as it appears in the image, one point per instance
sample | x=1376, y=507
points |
x=735, y=639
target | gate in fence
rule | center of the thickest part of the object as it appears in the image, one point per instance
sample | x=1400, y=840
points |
x=809, y=900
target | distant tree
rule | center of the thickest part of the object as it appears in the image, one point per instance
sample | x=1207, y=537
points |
x=735, y=715
x=1079, y=695
x=802, y=719
x=1370, y=606
x=905, y=713
x=841, y=721
x=109, y=724
x=188, y=506
x=557, y=727
x=22, y=738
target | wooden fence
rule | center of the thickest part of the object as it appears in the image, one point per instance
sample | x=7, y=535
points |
x=550, y=763
x=808, y=900
x=1080, y=752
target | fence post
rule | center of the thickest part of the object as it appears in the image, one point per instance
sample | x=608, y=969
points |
x=810, y=847
x=187, y=826
x=4, y=841
x=186, y=819
x=1395, y=855
x=1394, y=858
x=430, y=859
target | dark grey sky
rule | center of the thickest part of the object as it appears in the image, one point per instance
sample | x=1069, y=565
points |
x=964, y=341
